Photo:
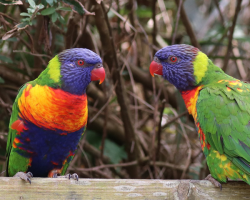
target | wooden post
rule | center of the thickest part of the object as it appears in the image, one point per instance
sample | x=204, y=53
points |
x=62, y=188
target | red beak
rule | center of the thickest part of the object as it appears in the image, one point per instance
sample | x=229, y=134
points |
x=98, y=74
x=155, y=68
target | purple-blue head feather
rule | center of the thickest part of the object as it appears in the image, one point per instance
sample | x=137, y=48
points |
x=74, y=77
x=180, y=72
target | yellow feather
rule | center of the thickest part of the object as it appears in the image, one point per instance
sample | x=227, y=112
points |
x=200, y=66
x=54, y=69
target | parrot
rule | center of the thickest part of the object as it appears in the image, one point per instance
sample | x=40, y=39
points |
x=219, y=104
x=49, y=116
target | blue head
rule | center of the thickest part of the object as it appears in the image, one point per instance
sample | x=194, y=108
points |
x=78, y=68
x=73, y=69
x=180, y=65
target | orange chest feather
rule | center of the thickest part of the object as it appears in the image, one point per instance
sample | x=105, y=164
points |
x=190, y=98
x=53, y=108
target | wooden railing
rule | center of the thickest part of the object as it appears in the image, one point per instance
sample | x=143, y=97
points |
x=62, y=188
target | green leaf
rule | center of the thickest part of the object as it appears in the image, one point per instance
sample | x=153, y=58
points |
x=54, y=17
x=31, y=10
x=25, y=20
x=11, y=2
x=61, y=19
x=40, y=6
x=1, y=80
x=48, y=11
x=50, y=2
x=64, y=8
x=25, y=14
x=77, y=6
x=21, y=25
x=32, y=3
x=114, y=151
x=5, y=59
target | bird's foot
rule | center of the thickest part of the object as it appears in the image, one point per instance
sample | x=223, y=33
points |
x=54, y=173
x=213, y=181
x=74, y=176
x=24, y=176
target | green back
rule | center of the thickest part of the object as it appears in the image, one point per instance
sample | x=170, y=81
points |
x=223, y=111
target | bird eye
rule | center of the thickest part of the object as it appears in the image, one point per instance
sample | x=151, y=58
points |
x=173, y=59
x=80, y=62
x=156, y=59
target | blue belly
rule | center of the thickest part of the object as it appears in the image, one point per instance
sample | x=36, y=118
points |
x=47, y=148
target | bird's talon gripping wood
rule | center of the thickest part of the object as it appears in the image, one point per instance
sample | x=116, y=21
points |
x=220, y=105
x=50, y=115
x=24, y=176
x=73, y=176
x=213, y=181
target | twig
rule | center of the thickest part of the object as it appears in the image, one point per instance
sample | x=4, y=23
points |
x=177, y=21
x=122, y=18
x=104, y=175
x=103, y=107
x=154, y=33
x=188, y=26
x=95, y=152
x=110, y=5
x=141, y=100
x=221, y=15
x=230, y=37
x=5, y=105
x=34, y=54
x=165, y=17
x=128, y=164
x=238, y=62
x=159, y=131
x=133, y=87
x=189, y=152
x=213, y=50
x=110, y=57
x=7, y=16
x=169, y=165
x=82, y=28
x=104, y=131
x=174, y=119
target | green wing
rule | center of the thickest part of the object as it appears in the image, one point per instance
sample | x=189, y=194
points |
x=223, y=112
x=15, y=162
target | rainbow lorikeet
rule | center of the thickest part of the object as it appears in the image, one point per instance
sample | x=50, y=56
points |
x=50, y=115
x=220, y=105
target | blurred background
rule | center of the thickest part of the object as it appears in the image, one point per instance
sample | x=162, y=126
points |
x=138, y=126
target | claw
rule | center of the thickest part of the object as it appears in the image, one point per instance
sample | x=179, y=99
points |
x=29, y=174
x=74, y=176
x=213, y=181
x=54, y=175
x=24, y=176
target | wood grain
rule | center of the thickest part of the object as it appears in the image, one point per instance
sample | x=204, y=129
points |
x=62, y=188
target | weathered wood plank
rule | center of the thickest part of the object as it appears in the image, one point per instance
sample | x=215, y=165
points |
x=62, y=188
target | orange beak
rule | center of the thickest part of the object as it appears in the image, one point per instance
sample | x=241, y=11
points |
x=155, y=68
x=97, y=74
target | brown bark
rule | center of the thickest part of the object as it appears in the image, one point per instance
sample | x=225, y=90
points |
x=110, y=58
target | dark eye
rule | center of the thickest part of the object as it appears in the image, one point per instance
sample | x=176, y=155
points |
x=173, y=59
x=80, y=62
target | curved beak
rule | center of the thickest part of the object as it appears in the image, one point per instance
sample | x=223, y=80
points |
x=155, y=68
x=98, y=73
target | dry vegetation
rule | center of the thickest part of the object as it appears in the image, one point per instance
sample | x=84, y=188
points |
x=138, y=127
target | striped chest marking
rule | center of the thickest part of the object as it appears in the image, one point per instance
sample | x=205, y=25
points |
x=190, y=98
